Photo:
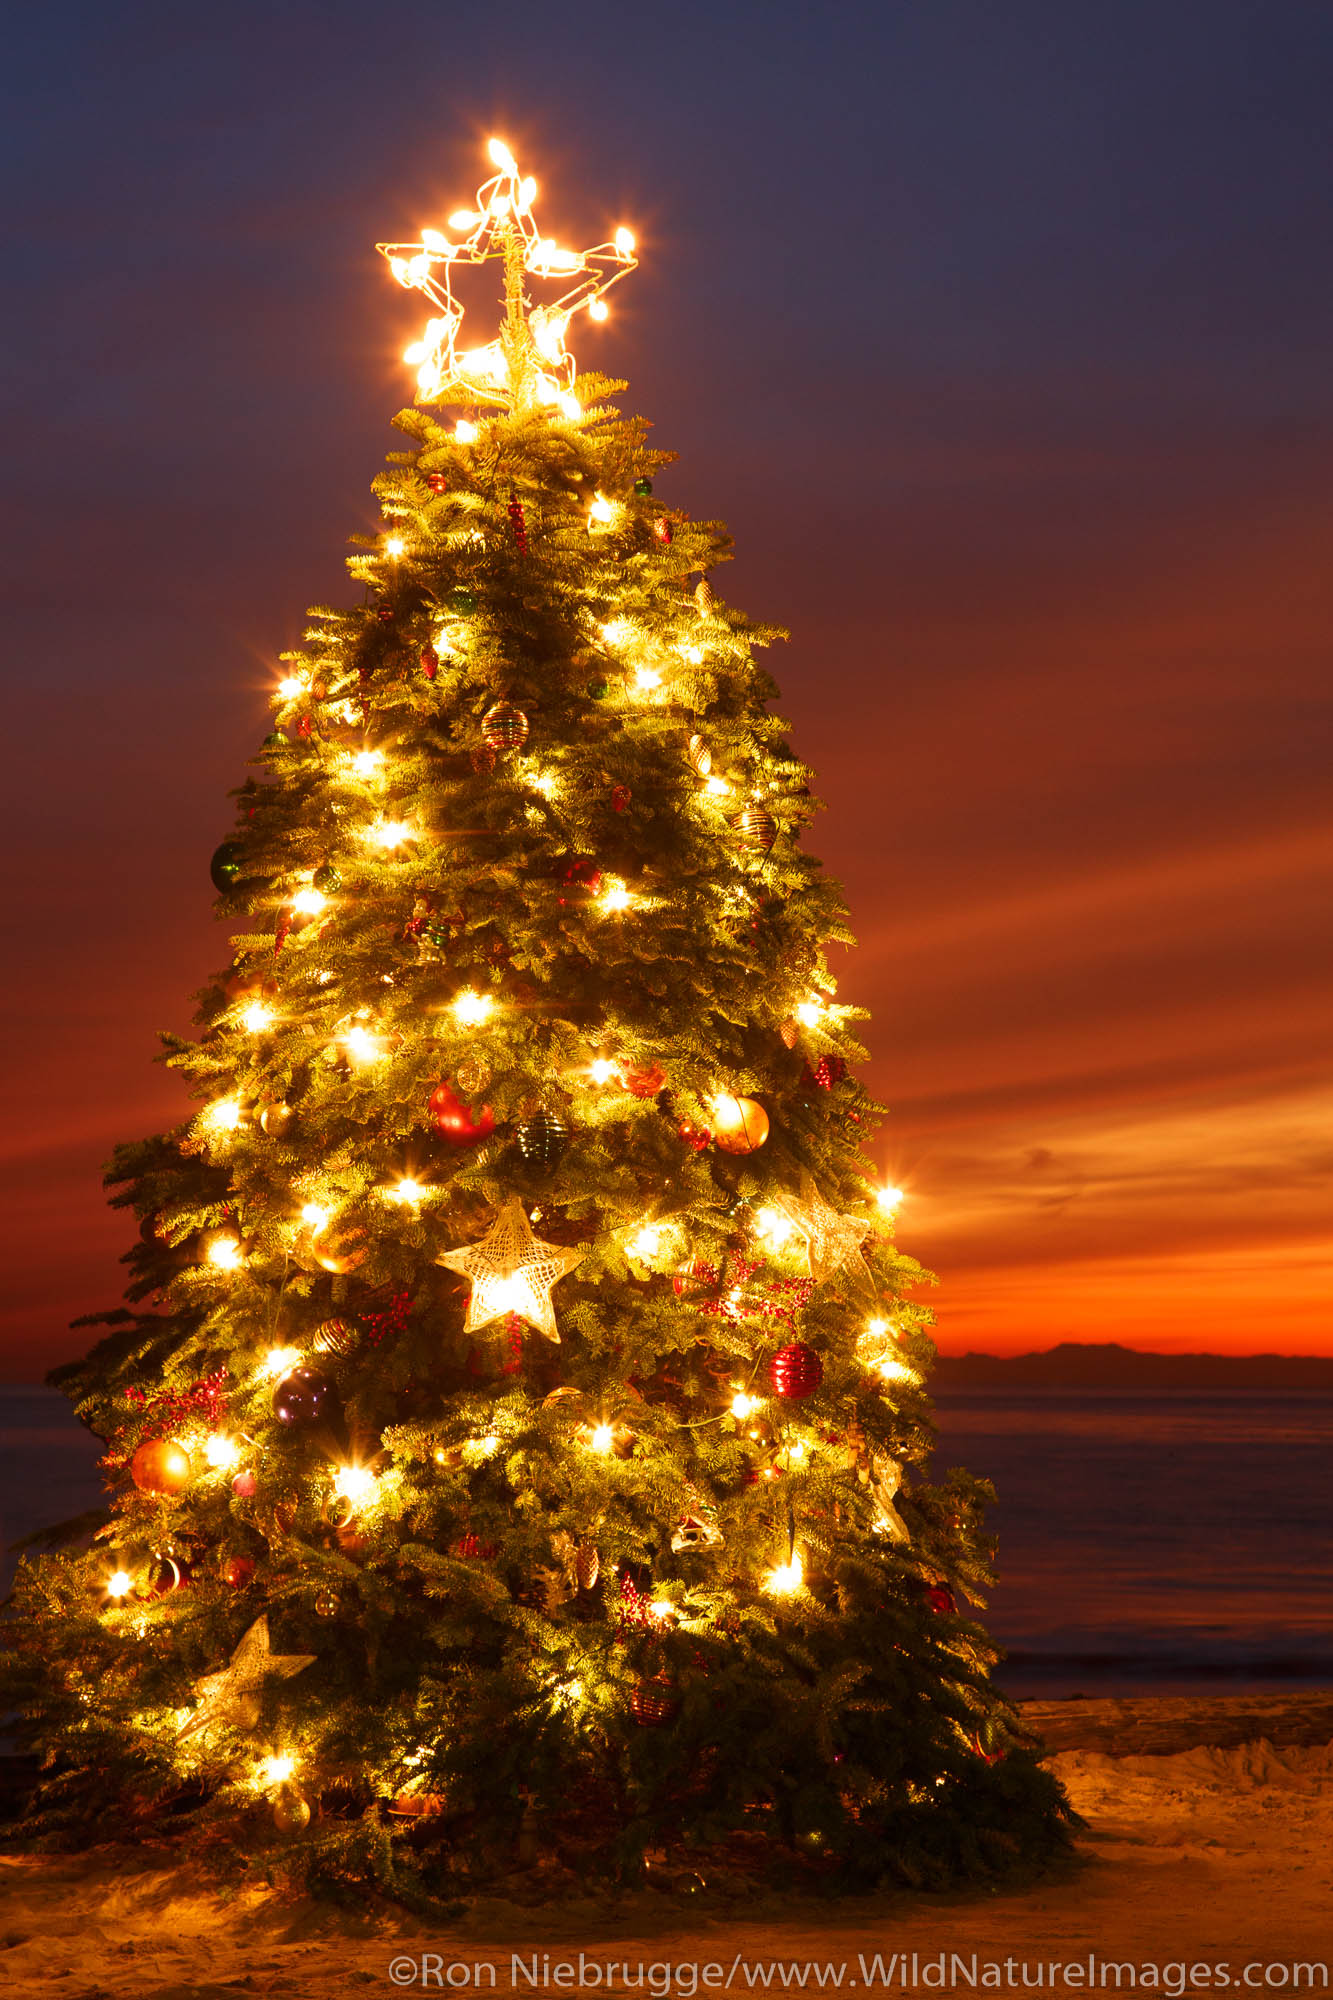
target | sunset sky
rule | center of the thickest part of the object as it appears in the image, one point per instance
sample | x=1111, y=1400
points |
x=1001, y=339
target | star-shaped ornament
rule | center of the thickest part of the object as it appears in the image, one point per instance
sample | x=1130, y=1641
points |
x=528, y=364
x=232, y=1696
x=512, y=1271
x=832, y=1241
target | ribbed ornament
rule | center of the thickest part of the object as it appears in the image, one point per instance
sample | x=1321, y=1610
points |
x=795, y=1371
x=504, y=727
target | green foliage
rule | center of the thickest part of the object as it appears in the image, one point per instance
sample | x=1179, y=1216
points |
x=562, y=1649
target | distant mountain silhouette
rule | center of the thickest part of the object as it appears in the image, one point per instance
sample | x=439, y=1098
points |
x=1074, y=1365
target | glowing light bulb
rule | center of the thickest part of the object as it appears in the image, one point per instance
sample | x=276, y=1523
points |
x=890, y=1199
x=569, y=406
x=314, y=1216
x=646, y=1243
x=602, y=511
x=598, y=309
x=603, y=1437
x=224, y=1116
x=256, y=1018
x=367, y=762
x=527, y=192
x=221, y=1452
x=465, y=218
x=743, y=1406
x=646, y=679
x=355, y=1483
x=433, y=240
x=394, y=546
x=618, y=633
x=775, y=1227
x=120, y=1584
x=625, y=242
x=662, y=1608
x=466, y=433
x=389, y=834
x=308, y=902
x=409, y=1191
x=894, y=1370
x=277, y=1770
x=718, y=787
x=362, y=1046
x=877, y=1328
x=808, y=1013
x=502, y=156
x=281, y=1360
x=471, y=1009
x=291, y=687
x=602, y=1071
x=786, y=1578
x=616, y=898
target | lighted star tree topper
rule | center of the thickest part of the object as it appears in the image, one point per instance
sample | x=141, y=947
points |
x=528, y=364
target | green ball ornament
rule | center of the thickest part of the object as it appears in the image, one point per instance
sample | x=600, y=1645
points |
x=327, y=879
x=462, y=599
x=227, y=867
x=598, y=689
x=643, y=487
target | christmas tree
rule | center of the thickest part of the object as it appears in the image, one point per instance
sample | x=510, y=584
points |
x=516, y=1435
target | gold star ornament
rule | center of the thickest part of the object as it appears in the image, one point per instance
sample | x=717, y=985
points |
x=527, y=365
x=232, y=1697
x=832, y=1241
x=512, y=1271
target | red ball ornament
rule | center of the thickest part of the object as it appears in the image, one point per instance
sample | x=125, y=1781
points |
x=692, y=1277
x=795, y=1371
x=437, y=482
x=941, y=1599
x=453, y=1119
x=697, y=1136
x=384, y=612
x=244, y=1485
x=238, y=1570
x=160, y=1466
x=645, y=1082
x=653, y=1704
x=620, y=798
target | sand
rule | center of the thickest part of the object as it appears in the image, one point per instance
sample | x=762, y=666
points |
x=1214, y=1854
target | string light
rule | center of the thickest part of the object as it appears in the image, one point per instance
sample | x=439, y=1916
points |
x=808, y=1013
x=646, y=679
x=290, y=687
x=774, y=1227
x=224, y=1116
x=894, y=1370
x=603, y=1071
x=743, y=1406
x=362, y=1046
x=616, y=897
x=471, y=1009
x=389, y=833
x=645, y=1243
x=221, y=1452
x=466, y=433
x=890, y=1199
x=120, y=1584
x=367, y=762
x=355, y=1483
x=277, y=1770
x=308, y=902
x=618, y=632
x=409, y=1191
x=718, y=787
x=602, y=513
x=256, y=1018
x=394, y=546
x=786, y=1578
x=602, y=1438
x=281, y=1360
x=501, y=225
x=224, y=1253
x=315, y=1216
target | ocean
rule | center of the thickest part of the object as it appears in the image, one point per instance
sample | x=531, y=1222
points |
x=1174, y=1542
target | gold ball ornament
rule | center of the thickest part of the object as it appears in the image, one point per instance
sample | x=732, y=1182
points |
x=339, y=1248
x=275, y=1119
x=291, y=1811
x=326, y=1604
x=738, y=1124
x=161, y=1466
x=755, y=829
